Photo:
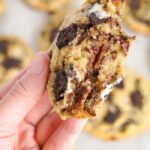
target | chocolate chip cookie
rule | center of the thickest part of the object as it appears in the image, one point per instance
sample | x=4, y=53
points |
x=126, y=112
x=86, y=58
x=51, y=29
x=14, y=56
x=2, y=6
x=49, y=5
x=137, y=15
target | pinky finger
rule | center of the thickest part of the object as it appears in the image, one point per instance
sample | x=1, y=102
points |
x=65, y=135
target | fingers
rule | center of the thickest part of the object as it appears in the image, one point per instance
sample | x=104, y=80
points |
x=41, y=109
x=4, y=89
x=24, y=94
x=46, y=128
x=65, y=136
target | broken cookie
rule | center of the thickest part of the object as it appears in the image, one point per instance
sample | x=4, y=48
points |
x=86, y=58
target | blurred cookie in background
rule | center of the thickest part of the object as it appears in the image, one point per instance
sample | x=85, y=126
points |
x=136, y=14
x=2, y=6
x=127, y=111
x=50, y=30
x=49, y=5
x=14, y=56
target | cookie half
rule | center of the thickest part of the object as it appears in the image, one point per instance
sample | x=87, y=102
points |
x=49, y=5
x=127, y=111
x=86, y=58
x=14, y=56
x=137, y=15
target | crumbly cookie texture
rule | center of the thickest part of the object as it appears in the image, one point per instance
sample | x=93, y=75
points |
x=126, y=113
x=86, y=58
x=136, y=14
x=2, y=6
x=50, y=30
x=14, y=56
x=49, y=5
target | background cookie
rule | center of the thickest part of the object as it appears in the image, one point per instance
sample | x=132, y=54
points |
x=127, y=111
x=137, y=15
x=14, y=56
x=51, y=29
x=49, y=5
x=2, y=6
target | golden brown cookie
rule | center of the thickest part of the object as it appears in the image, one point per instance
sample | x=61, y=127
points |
x=14, y=56
x=49, y=5
x=86, y=58
x=137, y=15
x=127, y=111
x=2, y=6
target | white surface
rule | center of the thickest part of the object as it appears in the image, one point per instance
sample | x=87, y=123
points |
x=25, y=22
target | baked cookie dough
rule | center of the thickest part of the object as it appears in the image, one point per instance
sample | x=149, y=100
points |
x=2, y=6
x=137, y=15
x=50, y=30
x=127, y=111
x=49, y=5
x=86, y=58
x=14, y=56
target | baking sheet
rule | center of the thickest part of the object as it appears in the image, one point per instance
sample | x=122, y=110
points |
x=27, y=23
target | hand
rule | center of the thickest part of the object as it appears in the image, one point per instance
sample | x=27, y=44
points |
x=26, y=120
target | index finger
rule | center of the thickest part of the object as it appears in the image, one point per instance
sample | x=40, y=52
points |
x=65, y=136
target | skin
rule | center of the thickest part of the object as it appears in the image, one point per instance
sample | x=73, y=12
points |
x=27, y=119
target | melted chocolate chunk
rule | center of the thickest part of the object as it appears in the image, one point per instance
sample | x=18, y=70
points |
x=120, y=85
x=112, y=116
x=53, y=34
x=126, y=124
x=60, y=84
x=136, y=99
x=3, y=46
x=11, y=63
x=93, y=75
x=95, y=20
x=79, y=93
x=67, y=35
x=134, y=4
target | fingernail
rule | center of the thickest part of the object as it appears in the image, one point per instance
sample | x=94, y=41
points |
x=38, y=65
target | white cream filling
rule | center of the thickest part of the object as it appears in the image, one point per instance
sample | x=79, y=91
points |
x=77, y=76
x=108, y=89
x=69, y=89
x=99, y=11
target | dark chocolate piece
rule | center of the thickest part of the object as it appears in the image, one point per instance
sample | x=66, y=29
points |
x=134, y=4
x=136, y=99
x=53, y=34
x=12, y=63
x=60, y=84
x=126, y=124
x=95, y=20
x=67, y=35
x=112, y=116
x=3, y=46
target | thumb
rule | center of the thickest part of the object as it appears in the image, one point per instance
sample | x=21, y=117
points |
x=24, y=94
